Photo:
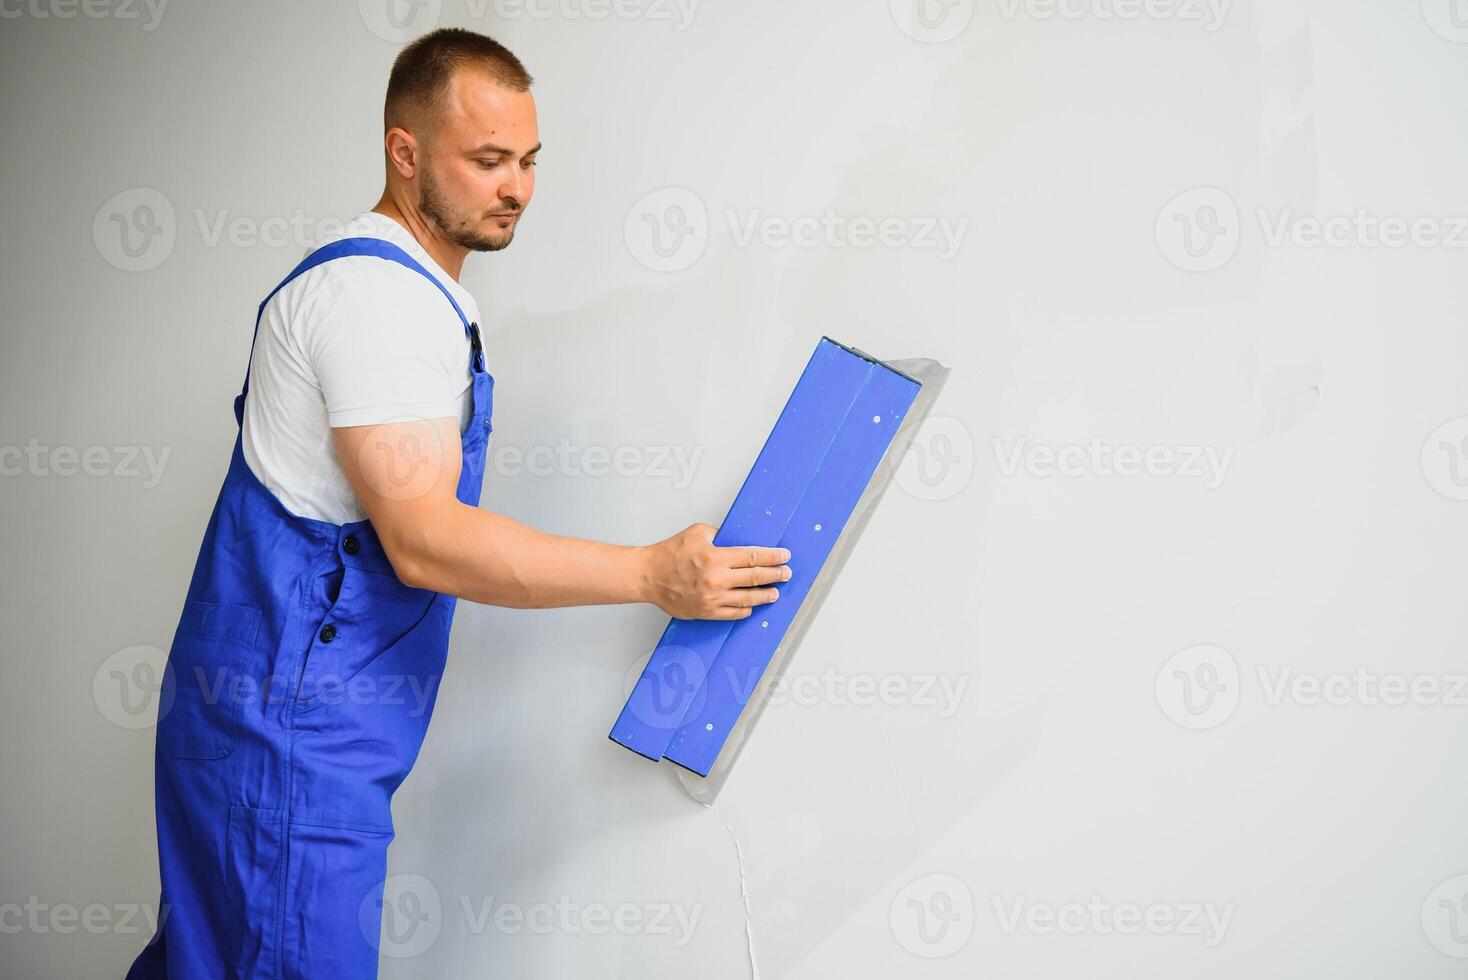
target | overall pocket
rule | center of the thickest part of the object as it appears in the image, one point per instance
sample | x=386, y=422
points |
x=200, y=704
x=373, y=614
x=335, y=905
x=255, y=851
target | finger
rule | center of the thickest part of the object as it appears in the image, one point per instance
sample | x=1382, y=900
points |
x=752, y=557
x=749, y=597
x=731, y=612
x=743, y=578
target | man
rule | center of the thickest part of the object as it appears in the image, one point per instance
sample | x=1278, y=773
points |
x=347, y=525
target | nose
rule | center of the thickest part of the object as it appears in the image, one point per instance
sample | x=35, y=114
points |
x=516, y=187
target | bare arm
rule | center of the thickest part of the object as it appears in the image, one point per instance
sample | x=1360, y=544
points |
x=405, y=475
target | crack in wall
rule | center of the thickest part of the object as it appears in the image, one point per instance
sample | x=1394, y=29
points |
x=744, y=893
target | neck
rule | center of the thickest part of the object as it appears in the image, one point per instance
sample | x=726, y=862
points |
x=397, y=206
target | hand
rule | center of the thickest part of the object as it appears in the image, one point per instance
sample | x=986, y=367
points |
x=689, y=577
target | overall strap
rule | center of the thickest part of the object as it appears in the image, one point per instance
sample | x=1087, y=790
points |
x=343, y=248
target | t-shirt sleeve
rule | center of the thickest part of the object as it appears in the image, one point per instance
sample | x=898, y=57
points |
x=388, y=348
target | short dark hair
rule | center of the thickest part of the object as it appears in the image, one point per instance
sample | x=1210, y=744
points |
x=419, y=83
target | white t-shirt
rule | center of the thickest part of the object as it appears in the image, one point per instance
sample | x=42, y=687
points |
x=355, y=341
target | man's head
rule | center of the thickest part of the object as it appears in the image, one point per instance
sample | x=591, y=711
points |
x=461, y=136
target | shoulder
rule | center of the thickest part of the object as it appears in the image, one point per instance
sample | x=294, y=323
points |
x=362, y=284
x=383, y=277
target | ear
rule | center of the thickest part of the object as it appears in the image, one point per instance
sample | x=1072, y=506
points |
x=402, y=152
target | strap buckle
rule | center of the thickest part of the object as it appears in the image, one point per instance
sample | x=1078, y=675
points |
x=476, y=346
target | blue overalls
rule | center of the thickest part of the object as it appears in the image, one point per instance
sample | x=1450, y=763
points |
x=298, y=690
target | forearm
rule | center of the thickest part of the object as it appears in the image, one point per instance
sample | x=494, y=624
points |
x=435, y=541
x=492, y=559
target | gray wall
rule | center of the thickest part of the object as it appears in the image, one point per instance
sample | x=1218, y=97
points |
x=1098, y=745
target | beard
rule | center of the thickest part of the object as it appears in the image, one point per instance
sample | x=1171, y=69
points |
x=458, y=227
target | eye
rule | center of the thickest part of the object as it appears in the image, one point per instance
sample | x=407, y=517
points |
x=529, y=163
x=489, y=164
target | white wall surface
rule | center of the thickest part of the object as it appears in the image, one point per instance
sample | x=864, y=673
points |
x=1196, y=721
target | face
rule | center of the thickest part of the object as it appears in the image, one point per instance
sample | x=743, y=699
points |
x=479, y=165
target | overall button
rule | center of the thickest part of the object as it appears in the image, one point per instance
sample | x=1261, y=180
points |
x=351, y=545
x=328, y=633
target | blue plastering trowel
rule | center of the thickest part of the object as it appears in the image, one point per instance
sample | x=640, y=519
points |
x=814, y=485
